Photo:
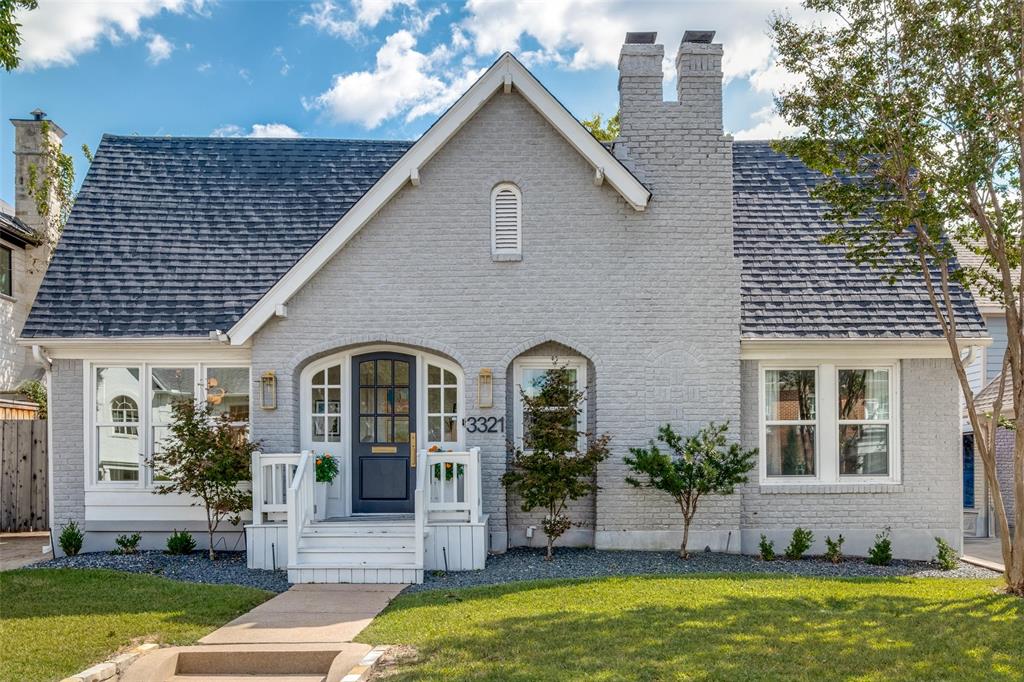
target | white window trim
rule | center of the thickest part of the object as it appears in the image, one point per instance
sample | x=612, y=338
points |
x=505, y=252
x=145, y=425
x=827, y=425
x=577, y=363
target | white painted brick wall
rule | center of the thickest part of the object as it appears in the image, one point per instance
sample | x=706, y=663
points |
x=651, y=298
x=67, y=450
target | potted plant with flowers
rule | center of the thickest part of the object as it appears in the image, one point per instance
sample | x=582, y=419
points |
x=326, y=471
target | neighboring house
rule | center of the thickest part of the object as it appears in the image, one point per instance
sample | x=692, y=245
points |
x=377, y=300
x=25, y=247
x=984, y=373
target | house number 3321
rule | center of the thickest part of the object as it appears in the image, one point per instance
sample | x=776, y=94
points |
x=484, y=424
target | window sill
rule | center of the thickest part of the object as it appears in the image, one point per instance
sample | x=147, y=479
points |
x=5, y=297
x=829, y=488
x=506, y=257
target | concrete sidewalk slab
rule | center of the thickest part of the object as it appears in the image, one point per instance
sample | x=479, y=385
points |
x=310, y=614
x=21, y=549
x=984, y=552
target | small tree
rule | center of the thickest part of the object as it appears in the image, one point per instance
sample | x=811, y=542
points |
x=206, y=457
x=551, y=469
x=702, y=464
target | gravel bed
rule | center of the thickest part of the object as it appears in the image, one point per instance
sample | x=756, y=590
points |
x=528, y=564
x=228, y=569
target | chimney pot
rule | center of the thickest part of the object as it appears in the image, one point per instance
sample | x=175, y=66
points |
x=38, y=114
x=700, y=37
x=641, y=38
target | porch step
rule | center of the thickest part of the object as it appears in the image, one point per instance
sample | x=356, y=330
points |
x=334, y=529
x=356, y=557
x=341, y=573
x=352, y=543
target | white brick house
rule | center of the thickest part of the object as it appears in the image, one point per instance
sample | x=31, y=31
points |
x=374, y=299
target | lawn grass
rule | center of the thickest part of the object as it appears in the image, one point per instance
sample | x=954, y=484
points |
x=711, y=628
x=56, y=622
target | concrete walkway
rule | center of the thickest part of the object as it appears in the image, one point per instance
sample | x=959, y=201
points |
x=984, y=552
x=303, y=634
x=307, y=613
x=21, y=549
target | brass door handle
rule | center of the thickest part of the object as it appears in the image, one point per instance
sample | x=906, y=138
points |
x=412, y=450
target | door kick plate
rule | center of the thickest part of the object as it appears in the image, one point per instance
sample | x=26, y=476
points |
x=383, y=449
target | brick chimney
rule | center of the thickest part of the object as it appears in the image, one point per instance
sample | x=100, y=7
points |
x=640, y=77
x=30, y=135
x=699, y=78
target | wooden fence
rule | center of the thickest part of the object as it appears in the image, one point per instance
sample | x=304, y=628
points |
x=23, y=472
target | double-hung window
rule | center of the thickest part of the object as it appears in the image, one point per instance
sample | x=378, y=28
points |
x=529, y=377
x=6, y=271
x=132, y=408
x=829, y=423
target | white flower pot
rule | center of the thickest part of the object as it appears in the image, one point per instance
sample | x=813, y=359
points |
x=320, y=500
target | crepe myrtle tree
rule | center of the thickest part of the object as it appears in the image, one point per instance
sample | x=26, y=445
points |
x=913, y=111
x=705, y=463
x=206, y=457
x=550, y=468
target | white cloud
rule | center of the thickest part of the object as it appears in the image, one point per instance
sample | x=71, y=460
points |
x=769, y=126
x=204, y=67
x=159, y=49
x=494, y=26
x=257, y=130
x=411, y=81
x=56, y=33
x=330, y=17
x=405, y=81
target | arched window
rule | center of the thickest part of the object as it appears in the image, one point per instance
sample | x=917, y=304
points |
x=506, y=222
x=124, y=410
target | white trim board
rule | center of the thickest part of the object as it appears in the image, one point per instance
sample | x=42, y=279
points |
x=141, y=349
x=506, y=70
x=851, y=349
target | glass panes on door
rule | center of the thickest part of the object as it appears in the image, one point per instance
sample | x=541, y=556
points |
x=384, y=401
x=325, y=405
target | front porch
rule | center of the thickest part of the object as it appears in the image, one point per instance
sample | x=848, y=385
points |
x=447, y=530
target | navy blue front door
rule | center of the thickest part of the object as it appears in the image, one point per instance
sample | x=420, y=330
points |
x=383, y=419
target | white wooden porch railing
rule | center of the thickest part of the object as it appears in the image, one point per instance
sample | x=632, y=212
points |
x=300, y=503
x=453, y=487
x=271, y=478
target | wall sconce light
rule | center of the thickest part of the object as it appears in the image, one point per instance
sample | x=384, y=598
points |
x=268, y=391
x=485, y=388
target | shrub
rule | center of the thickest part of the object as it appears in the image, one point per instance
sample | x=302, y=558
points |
x=767, y=548
x=880, y=553
x=800, y=543
x=945, y=556
x=127, y=544
x=554, y=469
x=705, y=463
x=834, y=548
x=180, y=542
x=71, y=539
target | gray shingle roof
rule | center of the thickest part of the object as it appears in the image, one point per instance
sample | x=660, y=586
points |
x=12, y=229
x=795, y=286
x=180, y=236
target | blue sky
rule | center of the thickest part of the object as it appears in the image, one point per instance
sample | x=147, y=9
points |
x=346, y=68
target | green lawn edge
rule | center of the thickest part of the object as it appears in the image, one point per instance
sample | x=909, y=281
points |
x=710, y=626
x=55, y=622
